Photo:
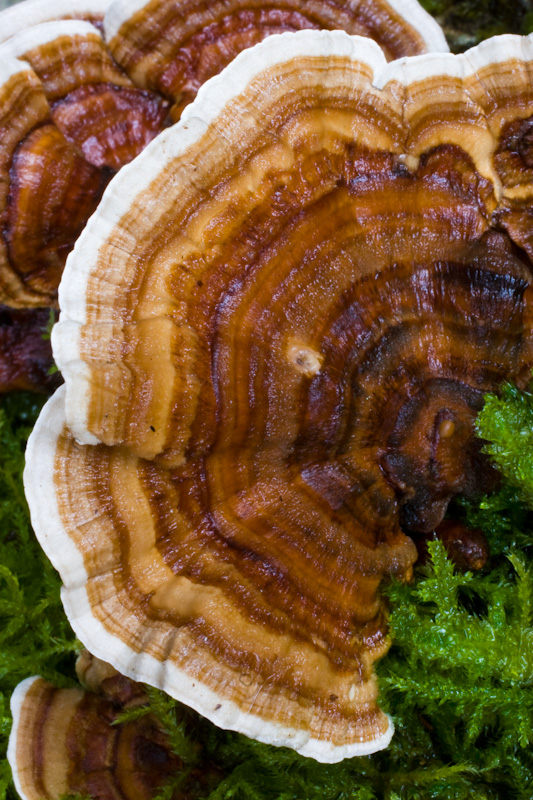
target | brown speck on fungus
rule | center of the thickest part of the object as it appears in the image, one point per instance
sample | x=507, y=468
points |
x=270, y=503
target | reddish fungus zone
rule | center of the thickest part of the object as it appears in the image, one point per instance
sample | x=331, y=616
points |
x=307, y=465
x=110, y=124
x=195, y=53
x=25, y=353
x=60, y=169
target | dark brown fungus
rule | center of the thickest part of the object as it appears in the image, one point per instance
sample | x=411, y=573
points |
x=467, y=547
x=25, y=351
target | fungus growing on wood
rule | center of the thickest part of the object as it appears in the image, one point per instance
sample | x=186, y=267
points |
x=174, y=47
x=275, y=334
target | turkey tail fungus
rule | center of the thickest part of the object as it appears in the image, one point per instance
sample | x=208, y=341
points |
x=73, y=742
x=67, y=124
x=275, y=333
x=73, y=121
x=76, y=91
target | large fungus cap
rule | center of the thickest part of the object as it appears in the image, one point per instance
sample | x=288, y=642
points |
x=275, y=334
x=174, y=46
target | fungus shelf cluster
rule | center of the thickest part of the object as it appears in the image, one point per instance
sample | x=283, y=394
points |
x=78, y=101
x=275, y=334
x=86, y=84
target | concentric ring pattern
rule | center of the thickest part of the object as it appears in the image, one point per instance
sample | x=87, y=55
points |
x=85, y=85
x=275, y=335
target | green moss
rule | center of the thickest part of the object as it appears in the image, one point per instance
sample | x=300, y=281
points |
x=506, y=422
x=35, y=637
x=468, y=22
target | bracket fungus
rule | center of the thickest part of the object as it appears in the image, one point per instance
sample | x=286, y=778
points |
x=174, y=46
x=69, y=119
x=275, y=334
x=47, y=190
x=93, y=103
x=76, y=92
x=72, y=742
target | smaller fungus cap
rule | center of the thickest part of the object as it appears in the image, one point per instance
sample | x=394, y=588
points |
x=20, y=16
x=67, y=741
x=66, y=125
x=93, y=103
x=275, y=334
x=47, y=190
x=174, y=47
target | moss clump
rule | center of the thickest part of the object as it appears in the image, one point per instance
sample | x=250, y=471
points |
x=468, y=22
